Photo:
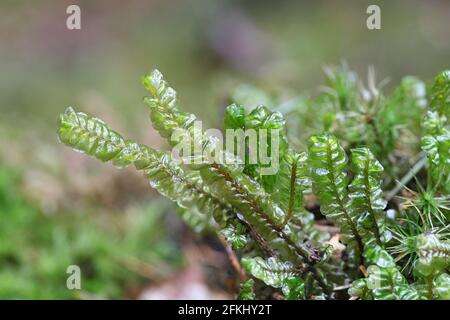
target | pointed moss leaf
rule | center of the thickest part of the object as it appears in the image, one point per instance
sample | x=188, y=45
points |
x=437, y=147
x=342, y=86
x=403, y=109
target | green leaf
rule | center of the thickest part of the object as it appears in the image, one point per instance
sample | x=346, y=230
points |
x=434, y=255
x=89, y=135
x=234, y=117
x=442, y=286
x=377, y=256
x=272, y=124
x=389, y=284
x=328, y=162
x=359, y=289
x=400, y=115
x=257, y=209
x=247, y=290
x=228, y=182
x=436, y=142
x=437, y=147
x=166, y=118
x=291, y=183
x=440, y=94
x=384, y=281
x=92, y=136
x=272, y=272
x=294, y=289
x=236, y=234
x=342, y=87
x=366, y=196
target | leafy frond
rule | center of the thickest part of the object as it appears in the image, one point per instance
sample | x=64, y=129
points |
x=226, y=181
x=328, y=163
x=384, y=281
x=436, y=142
x=398, y=253
x=366, y=196
x=93, y=137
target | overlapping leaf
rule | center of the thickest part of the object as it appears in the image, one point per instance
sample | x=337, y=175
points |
x=366, y=196
x=272, y=272
x=328, y=163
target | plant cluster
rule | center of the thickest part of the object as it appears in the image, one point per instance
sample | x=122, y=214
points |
x=387, y=247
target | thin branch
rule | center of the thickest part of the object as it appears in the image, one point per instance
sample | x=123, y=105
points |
x=404, y=181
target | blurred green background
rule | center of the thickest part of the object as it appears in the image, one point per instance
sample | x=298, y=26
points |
x=59, y=208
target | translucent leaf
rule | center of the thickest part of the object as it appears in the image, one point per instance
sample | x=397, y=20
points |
x=384, y=280
x=436, y=142
x=272, y=272
x=377, y=256
x=166, y=118
x=294, y=289
x=366, y=196
x=247, y=290
x=226, y=181
x=236, y=234
x=89, y=135
x=359, y=289
x=442, y=286
x=328, y=162
x=234, y=117
x=434, y=255
x=293, y=180
x=389, y=284
x=94, y=137
x=268, y=128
